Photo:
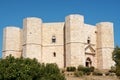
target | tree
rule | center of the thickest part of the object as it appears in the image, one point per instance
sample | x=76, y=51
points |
x=116, y=58
x=28, y=69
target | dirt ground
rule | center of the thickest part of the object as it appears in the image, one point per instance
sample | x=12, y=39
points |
x=92, y=78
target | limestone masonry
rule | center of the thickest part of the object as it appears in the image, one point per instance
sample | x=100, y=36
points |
x=69, y=43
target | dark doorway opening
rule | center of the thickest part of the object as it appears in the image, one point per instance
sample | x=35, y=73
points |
x=88, y=62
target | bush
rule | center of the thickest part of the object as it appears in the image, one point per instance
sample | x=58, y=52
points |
x=71, y=69
x=107, y=73
x=110, y=74
x=97, y=73
x=118, y=71
x=80, y=68
x=116, y=58
x=28, y=69
x=113, y=69
x=78, y=73
x=85, y=70
x=92, y=69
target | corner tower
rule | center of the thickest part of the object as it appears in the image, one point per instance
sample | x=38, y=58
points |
x=74, y=40
x=105, y=45
x=12, y=42
x=32, y=38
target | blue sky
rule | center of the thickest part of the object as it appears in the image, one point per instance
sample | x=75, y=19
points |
x=12, y=12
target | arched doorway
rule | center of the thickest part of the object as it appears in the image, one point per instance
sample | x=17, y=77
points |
x=88, y=62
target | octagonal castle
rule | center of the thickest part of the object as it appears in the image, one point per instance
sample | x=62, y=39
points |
x=69, y=43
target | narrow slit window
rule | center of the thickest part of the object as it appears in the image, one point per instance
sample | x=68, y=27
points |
x=53, y=39
x=54, y=54
x=88, y=40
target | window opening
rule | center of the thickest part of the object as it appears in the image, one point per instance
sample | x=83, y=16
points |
x=53, y=39
x=88, y=40
x=54, y=54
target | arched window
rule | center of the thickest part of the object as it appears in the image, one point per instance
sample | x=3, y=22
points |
x=53, y=39
x=54, y=54
x=88, y=40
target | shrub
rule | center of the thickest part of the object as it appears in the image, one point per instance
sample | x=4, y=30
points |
x=116, y=58
x=118, y=72
x=107, y=73
x=110, y=74
x=113, y=69
x=80, y=68
x=85, y=70
x=28, y=69
x=78, y=73
x=92, y=69
x=62, y=70
x=97, y=73
x=71, y=69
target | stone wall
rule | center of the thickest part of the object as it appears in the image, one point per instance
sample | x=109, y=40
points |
x=67, y=43
x=53, y=52
x=32, y=31
x=105, y=44
x=74, y=40
x=90, y=32
x=12, y=42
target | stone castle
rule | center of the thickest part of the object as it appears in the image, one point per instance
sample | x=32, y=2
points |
x=69, y=43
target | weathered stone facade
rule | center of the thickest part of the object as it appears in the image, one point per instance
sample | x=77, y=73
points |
x=69, y=43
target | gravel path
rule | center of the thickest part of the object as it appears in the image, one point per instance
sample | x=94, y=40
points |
x=93, y=78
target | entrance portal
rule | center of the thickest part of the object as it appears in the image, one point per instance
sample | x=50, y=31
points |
x=88, y=62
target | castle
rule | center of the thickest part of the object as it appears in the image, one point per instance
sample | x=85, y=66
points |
x=69, y=43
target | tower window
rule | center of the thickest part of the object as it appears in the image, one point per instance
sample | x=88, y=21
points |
x=54, y=54
x=88, y=40
x=53, y=39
